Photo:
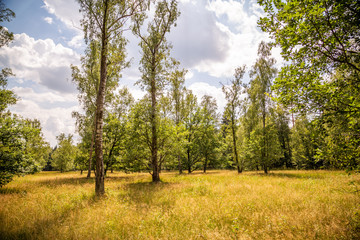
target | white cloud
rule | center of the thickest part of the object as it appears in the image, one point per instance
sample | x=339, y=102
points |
x=44, y=97
x=215, y=37
x=201, y=88
x=49, y=20
x=54, y=121
x=197, y=39
x=66, y=11
x=40, y=61
x=76, y=42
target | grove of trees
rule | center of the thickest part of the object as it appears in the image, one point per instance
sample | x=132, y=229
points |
x=305, y=115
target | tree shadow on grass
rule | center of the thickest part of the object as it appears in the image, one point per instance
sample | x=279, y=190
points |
x=39, y=228
x=7, y=190
x=292, y=175
x=148, y=194
x=74, y=181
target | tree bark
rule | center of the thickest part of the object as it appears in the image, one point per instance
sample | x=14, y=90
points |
x=154, y=143
x=205, y=164
x=100, y=175
x=236, y=157
x=91, y=150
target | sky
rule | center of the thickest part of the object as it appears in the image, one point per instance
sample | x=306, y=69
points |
x=211, y=39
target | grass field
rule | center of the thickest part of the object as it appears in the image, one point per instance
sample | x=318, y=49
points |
x=216, y=205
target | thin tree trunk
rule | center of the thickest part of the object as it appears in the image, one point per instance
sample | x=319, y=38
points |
x=264, y=148
x=100, y=175
x=189, y=163
x=236, y=157
x=180, y=164
x=154, y=143
x=91, y=149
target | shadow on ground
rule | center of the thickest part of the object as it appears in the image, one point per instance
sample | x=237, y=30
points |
x=291, y=175
x=40, y=228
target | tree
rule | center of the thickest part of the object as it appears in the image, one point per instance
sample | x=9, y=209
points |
x=262, y=74
x=320, y=40
x=115, y=128
x=87, y=80
x=316, y=38
x=154, y=66
x=22, y=147
x=232, y=110
x=65, y=153
x=177, y=94
x=192, y=124
x=208, y=140
x=104, y=21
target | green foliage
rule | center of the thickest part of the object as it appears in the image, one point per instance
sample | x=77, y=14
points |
x=65, y=153
x=263, y=148
x=232, y=110
x=5, y=15
x=7, y=97
x=22, y=147
x=320, y=41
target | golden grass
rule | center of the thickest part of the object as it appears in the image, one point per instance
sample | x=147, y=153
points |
x=217, y=205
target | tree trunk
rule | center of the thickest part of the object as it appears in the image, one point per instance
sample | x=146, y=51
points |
x=265, y=169
x=236, y=157
x=264, y=147
x=205, y=164
x=100, y=175
x=154, y=143
x=180, y=164
x=91, y=150
x=189, y=163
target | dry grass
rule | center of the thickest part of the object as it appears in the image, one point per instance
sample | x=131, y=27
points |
x=217, y=205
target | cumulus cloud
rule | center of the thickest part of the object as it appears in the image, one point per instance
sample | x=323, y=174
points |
x=215, y=37
x=197, y=39
x=40, y=61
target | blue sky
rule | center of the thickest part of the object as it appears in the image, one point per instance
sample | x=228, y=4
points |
x=211, y=39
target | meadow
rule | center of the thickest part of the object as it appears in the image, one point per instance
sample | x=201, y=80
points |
x=216, y=205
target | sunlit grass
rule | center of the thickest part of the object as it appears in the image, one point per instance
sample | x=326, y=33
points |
x=217, y=205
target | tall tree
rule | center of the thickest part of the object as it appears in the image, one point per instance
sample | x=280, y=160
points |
x=87, y=80
x=232, y=109
x=262, y=75
x=154, y=65
x=177, y=93
x=208, y=140
x=104, y=21
x=192, y=123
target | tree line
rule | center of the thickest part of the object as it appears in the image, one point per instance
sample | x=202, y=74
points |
x=304, y=115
